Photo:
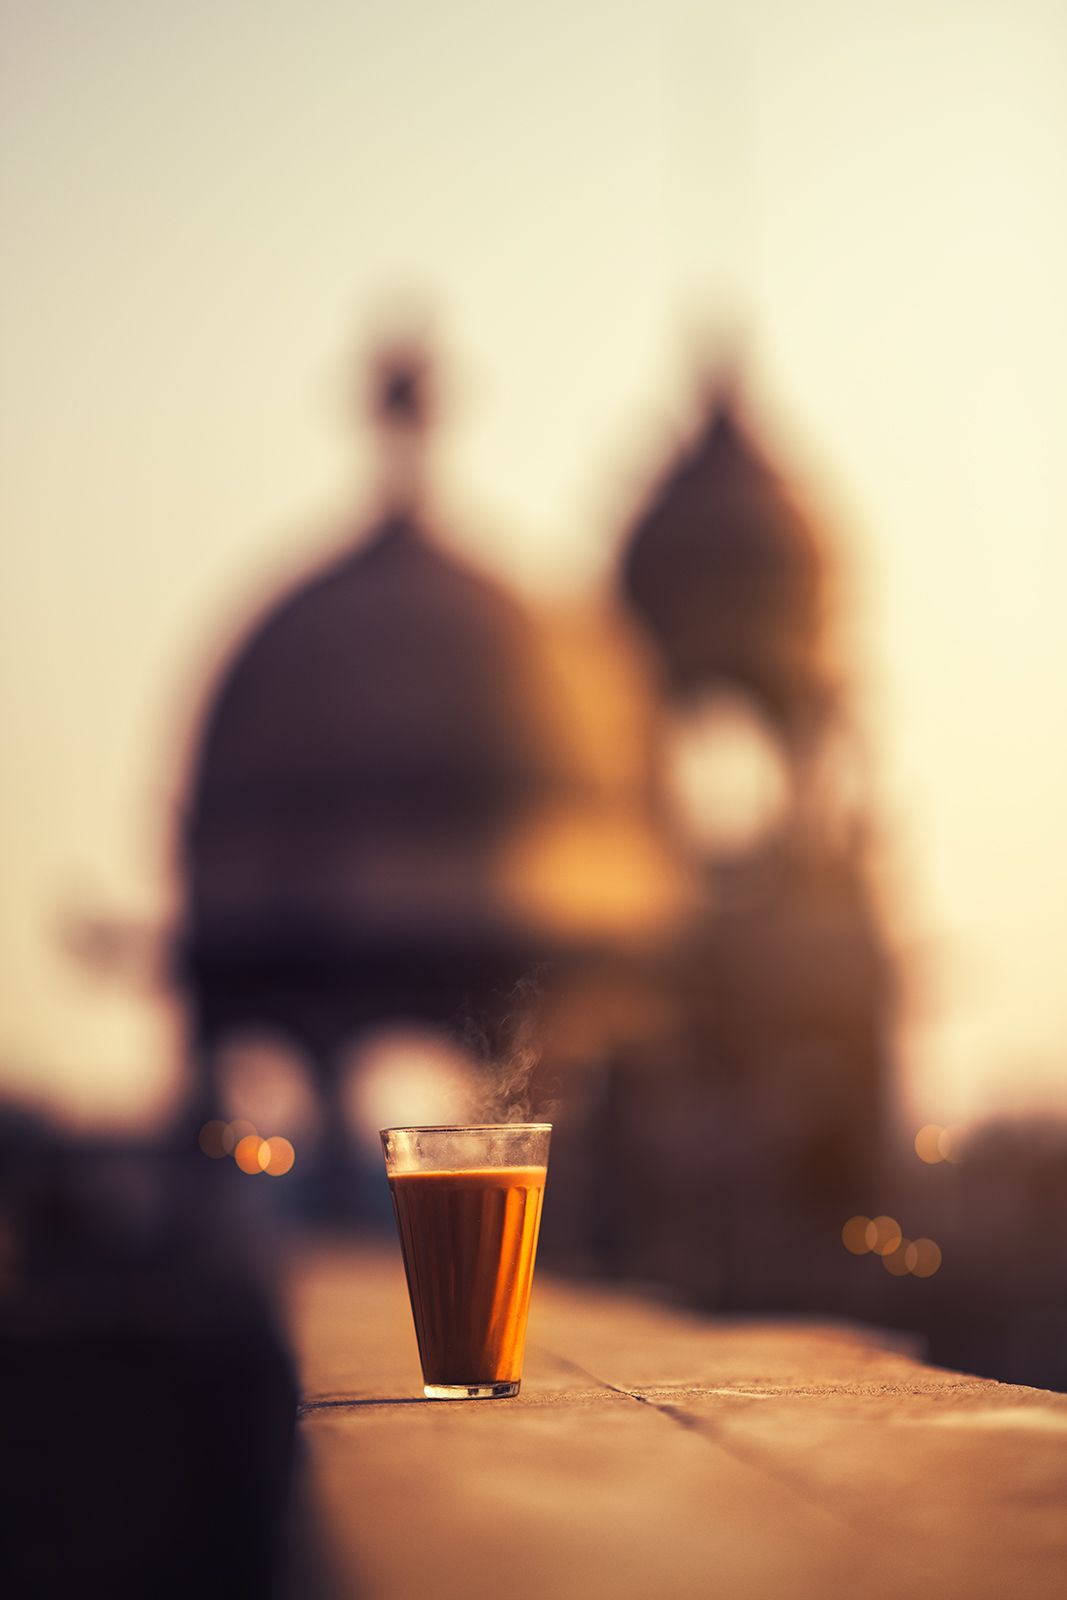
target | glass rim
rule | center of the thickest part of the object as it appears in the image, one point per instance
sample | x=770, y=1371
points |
x=473, y=1127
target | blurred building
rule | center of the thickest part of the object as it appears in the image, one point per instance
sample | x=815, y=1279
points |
x=770, y=1115
x=407, y=795
x=409, y=792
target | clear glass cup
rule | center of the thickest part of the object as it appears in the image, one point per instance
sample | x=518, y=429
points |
x=468, y=1209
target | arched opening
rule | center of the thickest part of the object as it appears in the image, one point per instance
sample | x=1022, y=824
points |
x=727, y=776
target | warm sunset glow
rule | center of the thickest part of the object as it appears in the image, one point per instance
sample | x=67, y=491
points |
x=533, y=702
x=880, y=204
x=584, y=874
x=727, y=777
x=404, y=1077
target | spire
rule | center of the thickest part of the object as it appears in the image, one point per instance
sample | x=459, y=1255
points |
x=725, y=570
x=401, y=403
x=402, y=387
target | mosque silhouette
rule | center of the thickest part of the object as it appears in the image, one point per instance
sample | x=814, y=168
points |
x=409, y=792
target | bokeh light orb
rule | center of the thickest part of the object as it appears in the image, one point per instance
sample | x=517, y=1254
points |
x=950, y=1144
x=923, y=1257
x=216, y=1139
x=883, y=1235
x=277, y=1156
x=854, y=1235
x=895, y=1261
x=248, y=1156
x=928, y=1143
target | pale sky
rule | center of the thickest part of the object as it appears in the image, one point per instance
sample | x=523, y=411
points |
x=205, y=206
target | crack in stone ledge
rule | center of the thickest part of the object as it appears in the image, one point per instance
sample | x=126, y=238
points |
x=712, y=1434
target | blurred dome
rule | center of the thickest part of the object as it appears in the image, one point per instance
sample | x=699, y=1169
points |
x=382, y=756
x=727, y=575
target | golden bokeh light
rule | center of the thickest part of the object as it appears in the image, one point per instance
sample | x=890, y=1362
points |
x=933, y=1143
x=854, y=1235
x=950, y=1144
x=279, y=1154
x=883, y=1235
x=923, y=1257
x=896, y=1260
x=928, y=1143
x=216, y=1139
x=248, y=1154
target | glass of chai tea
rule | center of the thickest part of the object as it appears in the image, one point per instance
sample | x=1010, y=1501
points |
x=468, y=1207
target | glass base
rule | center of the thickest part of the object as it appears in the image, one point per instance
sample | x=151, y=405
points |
x=470, y=1391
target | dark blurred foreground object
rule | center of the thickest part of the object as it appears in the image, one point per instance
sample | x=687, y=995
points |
x=147, y=1398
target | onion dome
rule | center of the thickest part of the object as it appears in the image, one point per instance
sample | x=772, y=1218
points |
x=396, y=755
x=727, y=576
x=379, y=725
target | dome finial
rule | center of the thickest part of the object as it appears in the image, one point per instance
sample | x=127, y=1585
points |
x=401, y=401
x=402, y=386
